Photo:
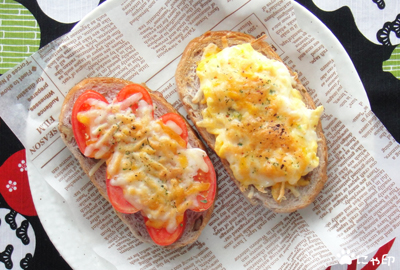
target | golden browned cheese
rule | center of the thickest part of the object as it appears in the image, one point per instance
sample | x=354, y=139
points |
x=148, y=160
x=262, y=126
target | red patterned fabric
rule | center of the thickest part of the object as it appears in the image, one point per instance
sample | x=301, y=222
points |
x=376, y=261
x=14, y=184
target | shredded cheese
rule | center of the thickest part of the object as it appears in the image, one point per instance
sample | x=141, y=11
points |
x=94, y=169
x=262, y=126
x=146, y=158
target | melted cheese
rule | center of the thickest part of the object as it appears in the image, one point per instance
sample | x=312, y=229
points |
x=147, y=159
x=261, y=124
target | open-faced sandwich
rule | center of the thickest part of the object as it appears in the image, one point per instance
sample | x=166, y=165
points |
x=143, y=158
x=257, y=116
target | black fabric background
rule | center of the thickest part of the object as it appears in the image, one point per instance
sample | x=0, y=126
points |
x=382, y=88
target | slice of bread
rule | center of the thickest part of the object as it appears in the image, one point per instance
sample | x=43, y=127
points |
x=188, y=85
x=109, y=87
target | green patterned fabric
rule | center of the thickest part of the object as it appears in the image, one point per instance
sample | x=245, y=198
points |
x=19, y=34
x=392, y=65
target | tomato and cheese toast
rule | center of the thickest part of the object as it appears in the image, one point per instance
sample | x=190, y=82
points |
x=147, y=162
x=257, y=116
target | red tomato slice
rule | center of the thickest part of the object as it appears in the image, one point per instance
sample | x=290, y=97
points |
x=177, y=119
x=206, y=198
x=116, y=196
x=162, y=237
x=115, y=193
x=131, y=89
x=80, y=130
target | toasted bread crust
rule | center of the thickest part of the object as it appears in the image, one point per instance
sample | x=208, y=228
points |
x=188, y=85
x=109, y=87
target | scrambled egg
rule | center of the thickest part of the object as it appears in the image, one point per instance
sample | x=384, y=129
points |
x=147, y=159
x=261, y=124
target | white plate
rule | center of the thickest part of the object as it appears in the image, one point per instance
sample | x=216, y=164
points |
x=55, y=215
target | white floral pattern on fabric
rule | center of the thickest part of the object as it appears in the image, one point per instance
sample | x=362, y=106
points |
x=67, y=11
x=22, y=166
x=377, y=20
x=11, y=186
